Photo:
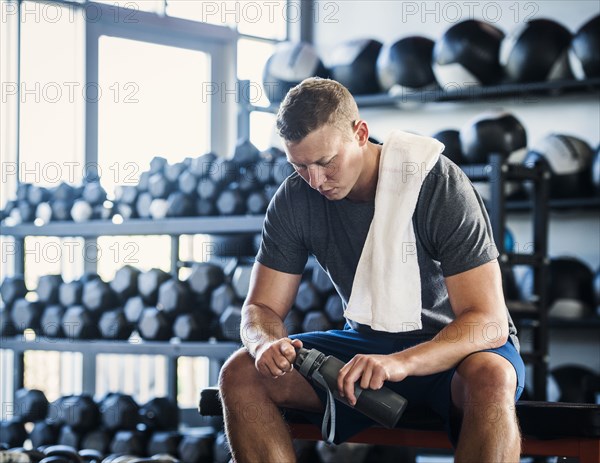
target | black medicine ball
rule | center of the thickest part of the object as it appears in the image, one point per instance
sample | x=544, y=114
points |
x=289, y=65
x=451, y=140
x=468, y=54
x=569, y=160
x=569, y=288
x=584, y=54
x=354, y=65
x=406, y=63
x=499, y=133
x=536, y=51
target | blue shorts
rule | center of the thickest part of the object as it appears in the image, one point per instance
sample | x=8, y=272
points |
x=431, y=391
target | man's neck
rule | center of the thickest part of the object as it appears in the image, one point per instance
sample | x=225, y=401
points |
x=368, y=180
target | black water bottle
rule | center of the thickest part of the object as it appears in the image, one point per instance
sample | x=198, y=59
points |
x=382, y=405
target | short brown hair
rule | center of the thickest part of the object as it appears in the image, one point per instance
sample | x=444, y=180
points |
x=313, y=103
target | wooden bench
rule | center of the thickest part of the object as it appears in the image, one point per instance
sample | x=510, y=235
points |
x=548, y=428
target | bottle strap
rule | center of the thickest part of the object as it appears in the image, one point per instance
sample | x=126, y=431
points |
x=329, y=416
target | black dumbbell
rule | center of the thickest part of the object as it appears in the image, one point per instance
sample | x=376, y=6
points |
x=93, y=193
x=173, y=171
x=308, y=297
x=158, y=208
x=281, y=169
x=98, y=440
x=142, y=205
x=196, y=448
x=82, y=211
x=221, y=451
x=334, y=308
x=143, y=181
x=257, y=202
x=80, y=323
x=159, y=414
x=114, y=325
x=26, y=314
x=154, y=325
x=80, y=412
x=194, y=326
x=7, y=328
x=204, y=278
x=231, y=201
x=174, y=297
x=221, y=298
x=61, y=454
x=30, y=405
x=13, y=288
x=164, y=442
x=315, y=320
x=159, y=186
x=13, y=433
x=61, y=210
x=187, y=183
x=208, y=189
x=241, y=280
x=91, y=454
x=321, y=281
x=126, y=194
x=246, y=153
x=125, y=282
x=133, y=309
x=119, y=411
x=37, y=194
x=157, y=164
x=203, y=165
x=70, y=293
x=205, y=207
x=98, y=296
x=248, y=181
x=26, y=212
x=180, y=205
x=48, y=288
x=230, y=322
x=43, y=433
x=149, y=282
x=293, y=322
x=69, y=436
x=263, y=170
x=225, y=171
x=129, y=443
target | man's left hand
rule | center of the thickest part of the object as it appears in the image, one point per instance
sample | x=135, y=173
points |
x=372, y=371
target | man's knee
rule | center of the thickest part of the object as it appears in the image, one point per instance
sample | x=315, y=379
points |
x=236, y=372
x=486, y=374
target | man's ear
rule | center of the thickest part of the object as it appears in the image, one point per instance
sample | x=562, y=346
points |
x=362, y=132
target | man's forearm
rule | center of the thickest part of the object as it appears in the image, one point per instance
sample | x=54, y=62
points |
x=470, y=332
x=260, y=325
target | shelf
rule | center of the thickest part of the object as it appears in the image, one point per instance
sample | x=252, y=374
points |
x=171, y=226
x=592, y=323
x=468, y=94
x=211, y=349
x=557, y=204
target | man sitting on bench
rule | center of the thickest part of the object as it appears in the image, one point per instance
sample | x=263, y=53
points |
x=407, y=242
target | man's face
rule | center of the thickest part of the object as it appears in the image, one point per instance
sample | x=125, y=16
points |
x=329, y=162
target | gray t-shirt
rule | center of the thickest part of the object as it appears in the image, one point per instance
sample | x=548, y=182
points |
x=451, y=226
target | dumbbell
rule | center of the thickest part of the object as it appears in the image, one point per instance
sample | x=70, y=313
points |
x=203, y=165
x=13, y=288
x=125, y=282
x=315, y=320
x=334, y=308
x=281, y=169
x=321, y=281
x=149, y=282
x=231, y=201
x=241, y=280
x=91, y=455
x=48, y=289
x=70, y=293
x=154, y=325
x=197, y=448
x=230, y=321
x=7, y=328
x=221, y=450
x=44, y=433
x=257, y=202
x=164, y=442
x=172, y=172
x=174, y=297
x=196, y=326
x=12, y=433
x=245, y=153
x=180, y=205
x=98, y=440
x=293, y=322
x=114, y=325
x=204, y=278
x=143, y=204
x=307, y=298
x=98, y=296
x=30, y=405
x=159, y=414
x=224, y=172
x=159, y=186
x=187, y=183
x=119, y=412
x=221, y=298
x=208, y=189
x=80, y=323
x=133, y=309
x=26, y=315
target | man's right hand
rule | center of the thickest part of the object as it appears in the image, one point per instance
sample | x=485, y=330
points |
x=276, y=358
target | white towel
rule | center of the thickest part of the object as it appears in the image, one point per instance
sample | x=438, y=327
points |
x=386, y=292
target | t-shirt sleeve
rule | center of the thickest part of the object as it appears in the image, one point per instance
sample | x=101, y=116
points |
x=282, y=247
x=457, y=229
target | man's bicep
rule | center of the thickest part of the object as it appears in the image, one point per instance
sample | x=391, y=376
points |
x=273, y=289
x=478, y=289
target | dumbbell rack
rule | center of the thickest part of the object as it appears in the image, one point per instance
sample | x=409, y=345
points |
x=217, y=352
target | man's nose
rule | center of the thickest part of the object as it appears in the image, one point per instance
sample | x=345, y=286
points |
x=316, y=176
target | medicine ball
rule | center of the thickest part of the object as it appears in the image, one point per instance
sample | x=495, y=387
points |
x=354, y=65
x=596, y=171
x=577, y=384
x=536, y=51
x=406, y=64
x=468, y=54
x=569, y=160
x=290, y=64
x=584, y=54
x=569, y=288
x=499, y=133
x=451, y=140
